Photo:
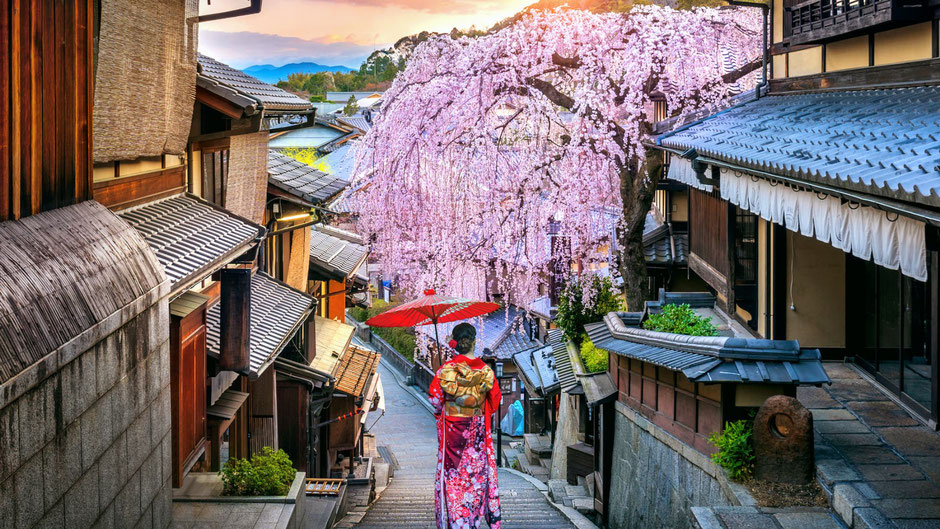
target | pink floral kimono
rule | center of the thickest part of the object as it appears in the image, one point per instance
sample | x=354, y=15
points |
x=465, y=394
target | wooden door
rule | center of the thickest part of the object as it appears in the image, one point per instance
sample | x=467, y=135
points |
x=188, y=390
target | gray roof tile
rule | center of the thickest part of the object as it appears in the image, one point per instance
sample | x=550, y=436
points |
x=277, y=311
x=566, y=377
x=270, y=97
x=336, y=252
x=301, y=180
x=738, y=360
x=884, y=142
x=190, y=236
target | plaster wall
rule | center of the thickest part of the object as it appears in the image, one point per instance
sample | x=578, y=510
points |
x=909, y=43
x=846, y=54
x=566, y=433
x=805, y=62
x=817, y=271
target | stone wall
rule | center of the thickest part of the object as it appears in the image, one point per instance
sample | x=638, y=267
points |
x=657, y=479
x=89, y=445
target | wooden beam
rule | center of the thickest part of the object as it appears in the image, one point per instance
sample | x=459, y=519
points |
x=219, y=103
x=16, y=105
x=5, y=139
x=125, y=192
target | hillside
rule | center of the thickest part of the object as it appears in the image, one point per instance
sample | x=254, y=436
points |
x=272, y=74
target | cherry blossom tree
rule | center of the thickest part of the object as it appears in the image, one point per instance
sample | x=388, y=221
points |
x=484, y=144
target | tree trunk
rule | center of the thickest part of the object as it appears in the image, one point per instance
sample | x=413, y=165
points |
x=637, y=188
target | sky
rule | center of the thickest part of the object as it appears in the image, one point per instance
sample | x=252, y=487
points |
x=338, y=32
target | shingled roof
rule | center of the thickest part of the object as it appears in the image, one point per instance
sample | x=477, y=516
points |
x=62, y=273
x=300, y=180
x=276, y=312
x=246, y=91
x=566, y=377
x=710, y=358
x=356, y=368
x=191, y=237
x=336, y=253
x=883, y=142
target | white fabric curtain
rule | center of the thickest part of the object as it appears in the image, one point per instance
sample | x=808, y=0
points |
x=865, y=232
x=680, y=170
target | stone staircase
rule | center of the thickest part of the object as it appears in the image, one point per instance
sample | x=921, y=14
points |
x=408, y=501
x=535, y=459
x=580, y=496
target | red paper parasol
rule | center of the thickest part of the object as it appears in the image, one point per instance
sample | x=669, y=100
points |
x=431, y=309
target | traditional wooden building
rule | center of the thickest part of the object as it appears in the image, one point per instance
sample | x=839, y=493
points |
x=338, y=269
x=813, y=208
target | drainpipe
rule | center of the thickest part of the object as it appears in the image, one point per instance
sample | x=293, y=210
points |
x=765, y=10
x=253, y=8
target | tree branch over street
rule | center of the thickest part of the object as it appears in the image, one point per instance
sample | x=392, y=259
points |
x=483, y=142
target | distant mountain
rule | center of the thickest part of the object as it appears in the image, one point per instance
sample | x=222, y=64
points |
x=272, y=74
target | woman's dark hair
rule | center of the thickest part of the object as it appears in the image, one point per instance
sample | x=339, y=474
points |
x=464, y=334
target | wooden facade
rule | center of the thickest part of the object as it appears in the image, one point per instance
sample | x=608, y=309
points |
x=689, y=411
x=188, y=382
x=46, y=82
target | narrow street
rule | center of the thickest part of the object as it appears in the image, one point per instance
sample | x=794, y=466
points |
x=408, y=432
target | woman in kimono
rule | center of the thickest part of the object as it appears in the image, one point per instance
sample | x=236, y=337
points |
x=465, y=394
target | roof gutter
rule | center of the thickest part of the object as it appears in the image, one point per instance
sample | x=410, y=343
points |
x=253, y=9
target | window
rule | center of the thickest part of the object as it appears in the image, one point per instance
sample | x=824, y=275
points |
x=890, y=318
x=215, y=161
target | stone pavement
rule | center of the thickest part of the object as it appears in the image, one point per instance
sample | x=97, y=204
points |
x=880, y=464
x=408, y=432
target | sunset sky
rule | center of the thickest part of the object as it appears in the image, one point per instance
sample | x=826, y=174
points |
x=340, y=32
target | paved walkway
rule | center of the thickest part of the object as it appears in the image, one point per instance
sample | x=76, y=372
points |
x=408, y=431
x=879, y=462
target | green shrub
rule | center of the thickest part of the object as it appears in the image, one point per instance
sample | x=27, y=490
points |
x=573, y=315
x=400, y=338
x=735, y=449
x=269, y=473
x=680, y=319
x=594, y=359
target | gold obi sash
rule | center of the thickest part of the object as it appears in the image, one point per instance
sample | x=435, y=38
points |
x=465, y=389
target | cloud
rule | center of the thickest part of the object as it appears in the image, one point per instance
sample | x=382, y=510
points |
x=433, y=6
x=241, y=49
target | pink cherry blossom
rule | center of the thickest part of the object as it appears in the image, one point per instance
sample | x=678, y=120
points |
x=482, y=142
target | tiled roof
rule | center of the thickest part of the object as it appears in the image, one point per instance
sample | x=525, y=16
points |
x=301, y=180
x=527, y=372
x=191, y=237
x=276, y=312
x=312, y=137
x=270, y=97
x=884, y=142
x=710, y=359
x=598, y=388
x=514, y=341
x=538, y=368
x=336, y=252
x=357, y=122
x=566, y=378
x=356, y=368
x=332, y=339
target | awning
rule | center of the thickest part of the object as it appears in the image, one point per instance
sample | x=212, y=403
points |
x=356, y=369
x=228, y=405
x=191, y=237
x=336, y=254
x=892, y=241
x=332, y=339
x=599, y=388
x=680, y=170
x=277, y=311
